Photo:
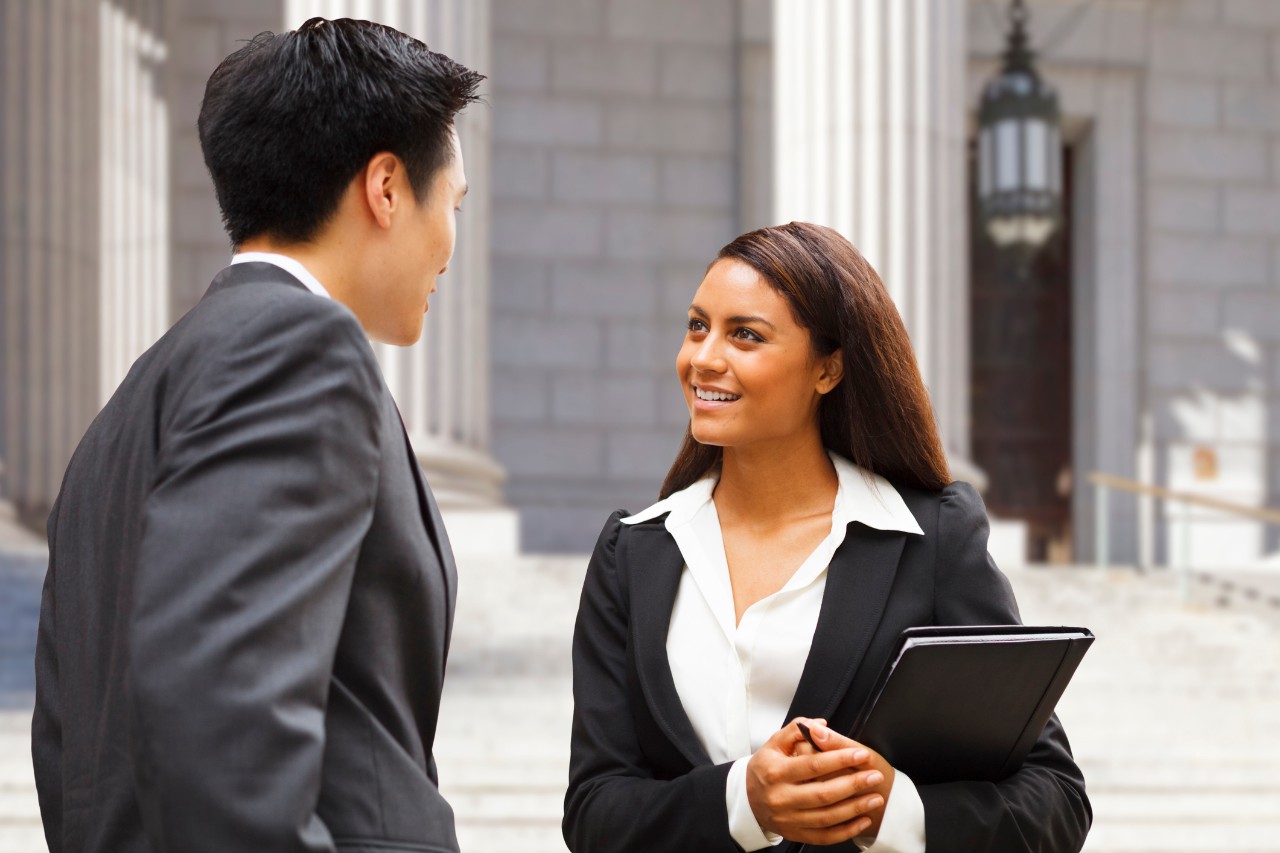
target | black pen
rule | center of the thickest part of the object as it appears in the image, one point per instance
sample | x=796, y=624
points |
x=804, y=730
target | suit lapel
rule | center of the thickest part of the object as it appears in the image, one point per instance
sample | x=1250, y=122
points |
x=858, y=583
x=654, y=565
x=434, y=524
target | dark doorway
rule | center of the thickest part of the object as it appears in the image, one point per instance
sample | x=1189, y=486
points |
x=1020, y=404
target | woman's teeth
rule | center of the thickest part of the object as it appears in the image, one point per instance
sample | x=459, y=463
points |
x=715, y=396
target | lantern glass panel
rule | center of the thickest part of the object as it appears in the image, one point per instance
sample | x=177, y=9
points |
x=1008, y=167
x=1037, y=149
x=986, y=160
x=1055, y=160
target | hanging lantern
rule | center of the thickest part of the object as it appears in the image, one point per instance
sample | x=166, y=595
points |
x=1019, y=148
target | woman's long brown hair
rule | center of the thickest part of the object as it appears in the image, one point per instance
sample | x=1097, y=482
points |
x=879, y=416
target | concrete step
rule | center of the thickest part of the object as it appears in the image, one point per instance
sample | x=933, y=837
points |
x=1171, y=715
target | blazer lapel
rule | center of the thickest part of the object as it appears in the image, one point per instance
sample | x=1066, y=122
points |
x=434, y=524
x=654, y=566
x=858, y=584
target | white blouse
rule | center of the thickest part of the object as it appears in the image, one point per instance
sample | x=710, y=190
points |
x=736, y=682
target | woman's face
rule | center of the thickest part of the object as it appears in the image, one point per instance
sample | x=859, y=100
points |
x=747, y=367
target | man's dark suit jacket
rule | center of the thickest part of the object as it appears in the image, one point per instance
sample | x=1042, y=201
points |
x=640, y=780
x=249, y=598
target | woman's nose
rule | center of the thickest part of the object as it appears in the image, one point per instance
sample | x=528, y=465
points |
x=708, y=357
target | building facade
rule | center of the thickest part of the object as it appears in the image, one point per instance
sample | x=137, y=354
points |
x=624, y=143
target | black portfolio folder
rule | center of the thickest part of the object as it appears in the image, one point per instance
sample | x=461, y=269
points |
x=967, y=703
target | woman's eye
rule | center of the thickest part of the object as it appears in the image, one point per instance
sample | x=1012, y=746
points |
x=746, y=334
x=696, y=325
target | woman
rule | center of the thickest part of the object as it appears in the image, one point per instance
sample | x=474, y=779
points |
x=807, y=520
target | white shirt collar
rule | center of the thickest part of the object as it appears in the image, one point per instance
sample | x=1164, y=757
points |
x=286, y=263
x=860, y=496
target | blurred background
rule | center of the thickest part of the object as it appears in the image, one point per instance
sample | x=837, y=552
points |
x=1075, y=204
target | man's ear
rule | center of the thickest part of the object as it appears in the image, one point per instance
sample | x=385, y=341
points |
x=383, y=178
x=832, y=371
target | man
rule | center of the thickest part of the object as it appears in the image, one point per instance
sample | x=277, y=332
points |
x=248, y=604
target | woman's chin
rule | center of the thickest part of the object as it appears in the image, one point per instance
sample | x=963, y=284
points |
x=713, y=437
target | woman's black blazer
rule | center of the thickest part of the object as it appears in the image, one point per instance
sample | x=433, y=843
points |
x=641, y=782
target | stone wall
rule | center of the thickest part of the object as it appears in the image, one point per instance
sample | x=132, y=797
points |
x=615, y=183
x=1213, y=263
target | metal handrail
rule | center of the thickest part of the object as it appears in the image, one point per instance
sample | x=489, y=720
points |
x=1103, y=483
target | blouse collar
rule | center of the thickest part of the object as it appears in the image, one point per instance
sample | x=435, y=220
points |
x=861, y=496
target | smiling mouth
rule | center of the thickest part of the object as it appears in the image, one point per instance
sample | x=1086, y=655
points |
x=715, y=396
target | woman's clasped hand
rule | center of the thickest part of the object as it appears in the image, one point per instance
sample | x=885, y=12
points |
x=817, y=797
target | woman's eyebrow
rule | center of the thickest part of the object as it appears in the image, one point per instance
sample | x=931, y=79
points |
x=738, y=319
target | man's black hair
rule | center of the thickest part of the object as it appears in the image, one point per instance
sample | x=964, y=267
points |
x=290, y=119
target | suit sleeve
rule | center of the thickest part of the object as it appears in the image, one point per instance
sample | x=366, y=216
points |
x=614, y=803
x=264, y=490
x=1043, y=806
x=46, y=720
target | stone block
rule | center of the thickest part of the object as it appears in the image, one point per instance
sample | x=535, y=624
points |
x=547, y=121
x=698, y=181
x=647, y=453
x=197, y=220
x=1251, y=107
x=521, y=172
x=604, y=399
x=604, y=289
x=1183, y=313
x=695, y=236
x=697, y=73
x=634, y=235
x=1194, y=155
x=1186, y=11
x=189, y=172
x=1181, y=102
x=691, y=21
x=673, y=409
x=1187, y=416
x=605, y=68
x=519, y=285
x=1208, y=261
x=1184, y=207
x=679, y=284
x=1243, y=418
x=1256, y=313
x=561, y=18
x=1194, y=366
x=521, y=64
x=560, y=452
x=538, y=231
x=526, y=343
x=520, y=397
x=608, y=178
x=1214, y=53
x=198, y=46
x=1252, y=13
x=646, y=346
x=1252, y=212
x=670, y=128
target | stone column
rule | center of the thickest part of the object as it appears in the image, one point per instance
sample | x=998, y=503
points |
x=869, y=138
x=442, y=383
x=85, y=173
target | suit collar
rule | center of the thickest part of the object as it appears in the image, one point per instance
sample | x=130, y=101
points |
x=434, y=523
x=858, y=584
x=290, y=265
x=655, y=566
x=252, y=273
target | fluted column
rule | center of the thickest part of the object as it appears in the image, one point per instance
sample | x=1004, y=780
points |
x=869, y=138
x=85, y=205
x=442, y=383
